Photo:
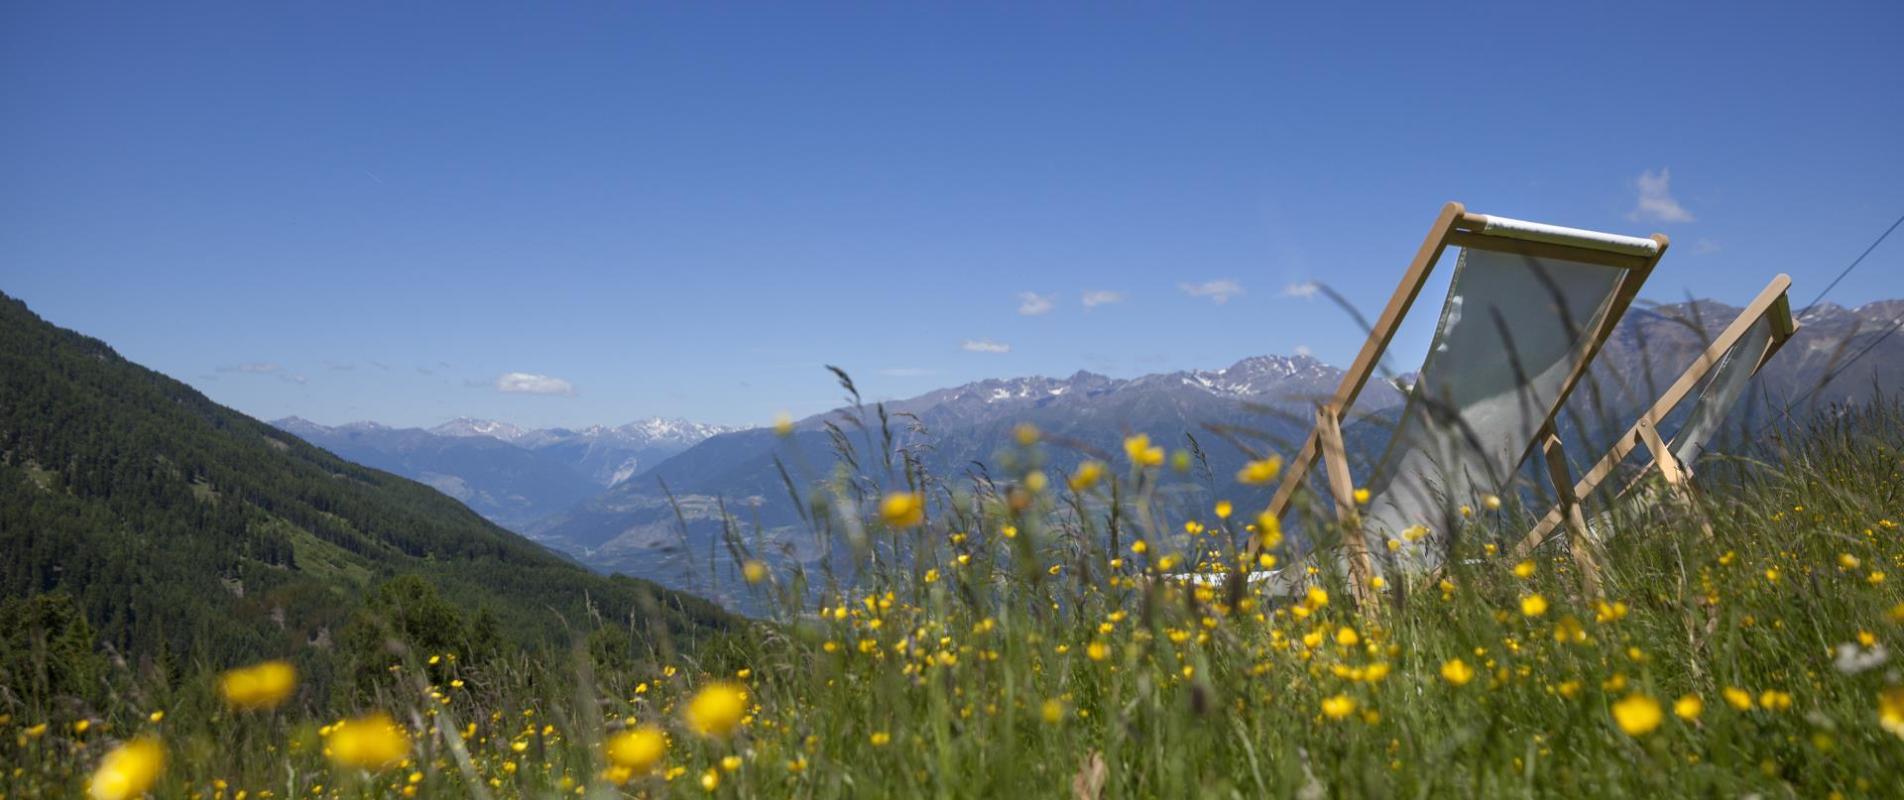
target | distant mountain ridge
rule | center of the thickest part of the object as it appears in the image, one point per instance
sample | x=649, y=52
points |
x=607, y=508
x=633, y=527
x=509, y=474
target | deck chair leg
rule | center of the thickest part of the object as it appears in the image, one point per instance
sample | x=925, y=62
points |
x=1577, y=540
x=1678, y=478
x=1336, y=460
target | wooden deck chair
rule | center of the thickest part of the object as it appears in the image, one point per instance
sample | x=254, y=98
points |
x=1715, y=382
x=1528, y=307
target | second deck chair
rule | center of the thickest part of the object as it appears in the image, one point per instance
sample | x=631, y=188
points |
x=1528, y=307
x=1716, y=381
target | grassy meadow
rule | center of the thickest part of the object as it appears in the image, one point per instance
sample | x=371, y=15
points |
x=1018, y=639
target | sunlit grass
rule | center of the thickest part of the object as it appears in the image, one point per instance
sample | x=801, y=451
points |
x=1024, y=638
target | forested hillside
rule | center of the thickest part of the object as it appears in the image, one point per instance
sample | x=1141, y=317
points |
x=183, y=532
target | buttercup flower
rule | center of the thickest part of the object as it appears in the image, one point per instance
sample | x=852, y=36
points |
x=716, y=710
x=128, y=771
x=1637, y=714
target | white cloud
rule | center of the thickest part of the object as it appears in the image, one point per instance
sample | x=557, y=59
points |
x=530, y=383
x=1100, y=297
x=253, y=368
x=1705, y=246
x=265, y=368
x=1219, y=291
x=1656, y=199
x=985, y=346
x=1303, y=350
x=1305, y=290
x=906, y=372
x=1032, y=304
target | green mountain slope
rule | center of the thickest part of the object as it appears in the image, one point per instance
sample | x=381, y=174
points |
x=186, y=530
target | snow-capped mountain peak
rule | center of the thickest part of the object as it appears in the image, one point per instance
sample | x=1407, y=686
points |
x=467, y=426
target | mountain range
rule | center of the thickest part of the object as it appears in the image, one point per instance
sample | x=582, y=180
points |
x=510, y=475
x=660, y=520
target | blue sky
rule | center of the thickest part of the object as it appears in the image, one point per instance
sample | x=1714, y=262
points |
x=347, y=211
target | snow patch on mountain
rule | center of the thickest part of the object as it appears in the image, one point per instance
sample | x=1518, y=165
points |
x=468, y=426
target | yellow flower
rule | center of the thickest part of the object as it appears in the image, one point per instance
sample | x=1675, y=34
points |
x=1457, y=672
x=1142, y=452
x=1260, y=471
x=903, y=509
x=373, y=741
x=881, y=738
x=1269, y=529
x=1891, y=710
x=1026, y=434
x=1533, y=605
x=754, y=571
x=1361, y=496
x=128, y=771
x=1491, y=503
x=1223, y=509
x=1139, y=547
x=1037, y=481
x=716, y=710
x=1637, y=714
x=1087, y=476
x=1338, y=706
x=259, y=686
x=638, y=750
x=1052, y=711
x=783, y=424
x=1739, y=699
x=1316, y=597
x=1524, y=570
x=1688, y=707
x=710, y=780
x=1346, y=636
x=1097, y=651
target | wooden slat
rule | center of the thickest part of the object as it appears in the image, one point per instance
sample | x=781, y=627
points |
x=1678, y=477
x=1335, y=459
x=1578, y=542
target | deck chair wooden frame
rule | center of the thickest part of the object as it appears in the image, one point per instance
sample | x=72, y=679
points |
x=1455, y=226
x=1772, y=303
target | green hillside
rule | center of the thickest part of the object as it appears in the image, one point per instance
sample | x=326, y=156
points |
x=187, y=533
